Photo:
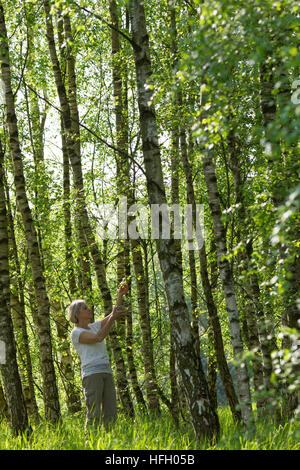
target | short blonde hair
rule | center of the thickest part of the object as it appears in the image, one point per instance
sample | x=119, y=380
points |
x=74, y=309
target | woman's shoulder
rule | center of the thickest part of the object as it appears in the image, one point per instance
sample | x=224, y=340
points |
x=78, y=328
x=95, y=325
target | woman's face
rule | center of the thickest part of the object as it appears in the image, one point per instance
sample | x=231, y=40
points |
x=85, y=313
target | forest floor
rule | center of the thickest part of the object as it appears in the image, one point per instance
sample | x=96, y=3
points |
x=151, y=434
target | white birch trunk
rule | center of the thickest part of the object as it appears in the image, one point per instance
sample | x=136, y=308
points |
x=204, y=419
x=8, y=361
x=72, y=139
x=228, y=287
x=50, y=392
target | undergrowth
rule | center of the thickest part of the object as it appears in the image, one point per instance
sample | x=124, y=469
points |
x=144, y=433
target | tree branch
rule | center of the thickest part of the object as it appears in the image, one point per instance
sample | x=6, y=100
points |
x=112, y=147
x=110, y=25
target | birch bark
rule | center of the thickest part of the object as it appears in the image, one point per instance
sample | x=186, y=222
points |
x=67, y=68
x=3, y=404
x=288, y=171
x=210, y=303
x=123, y=183
x=207, y=288
x=228, y=287
x=8, y=361
x=147, y=344
x=72, y=140
x=204, y=419
x=50, y=393
x=19, y=318
x=258, y=334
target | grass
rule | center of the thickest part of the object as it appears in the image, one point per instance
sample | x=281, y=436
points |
x=146, y=434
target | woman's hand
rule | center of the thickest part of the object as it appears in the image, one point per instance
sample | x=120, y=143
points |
x=123, y=288
x=118, y=312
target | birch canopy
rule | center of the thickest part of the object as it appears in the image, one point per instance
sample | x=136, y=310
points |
x=156, y=141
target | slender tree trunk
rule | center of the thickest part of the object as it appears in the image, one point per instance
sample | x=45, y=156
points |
x=8, y=363
x=210, y=303
x=123, y=182
x=204, y=419
x=175, y=164
x=279, y=190
x=73, y=151
x=51, y=400
x=68, y=62
x=228, y=287
x=175, y=400
x=289, y=169
x=251, y=340
x=3, y=405
x=18, y=306
x=257, y=324
x=212, y=369
x=36, y=124
x=66, y=66
x=65, y=359
x=23, y=352
x=211, y=307
x=147, y=343
x=129, y=343
x=67, y=220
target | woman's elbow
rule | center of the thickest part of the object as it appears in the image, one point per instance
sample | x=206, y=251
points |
x=99, y=339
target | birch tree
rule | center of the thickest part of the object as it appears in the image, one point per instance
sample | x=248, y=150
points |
x=228, y=287
x=17, y=303
x=50, y=392
x=8, y=362
x=204, y=419
x=73, y=150
x=206, y=284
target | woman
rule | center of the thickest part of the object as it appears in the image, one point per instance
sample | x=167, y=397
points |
x=88, y=340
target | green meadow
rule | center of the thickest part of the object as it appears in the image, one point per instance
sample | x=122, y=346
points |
x=144, y=433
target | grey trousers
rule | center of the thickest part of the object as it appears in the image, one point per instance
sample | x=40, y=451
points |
x=100, y=398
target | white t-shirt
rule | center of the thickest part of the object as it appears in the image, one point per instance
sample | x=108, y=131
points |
x=94, y=358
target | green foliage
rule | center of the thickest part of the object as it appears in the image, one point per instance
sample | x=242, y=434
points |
x=207, y=78
x=146, y=434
